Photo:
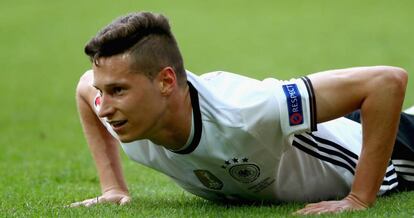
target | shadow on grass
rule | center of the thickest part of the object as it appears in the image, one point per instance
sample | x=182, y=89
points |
x=186, y=204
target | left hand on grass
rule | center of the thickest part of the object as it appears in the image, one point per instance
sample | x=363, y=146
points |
x=112, y=196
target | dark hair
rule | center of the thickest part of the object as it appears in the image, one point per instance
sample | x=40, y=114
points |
x=146, y=37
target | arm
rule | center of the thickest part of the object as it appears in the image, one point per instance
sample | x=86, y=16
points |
x=104, y=149
x=379, y=93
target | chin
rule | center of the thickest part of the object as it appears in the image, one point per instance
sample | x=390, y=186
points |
x=130, y=136
x=126, y=139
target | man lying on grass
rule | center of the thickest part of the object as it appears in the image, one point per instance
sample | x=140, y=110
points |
x=223, y=136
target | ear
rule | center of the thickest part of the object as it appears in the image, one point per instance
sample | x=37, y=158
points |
x=167, y=80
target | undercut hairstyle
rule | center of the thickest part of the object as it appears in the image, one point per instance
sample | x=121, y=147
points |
x=148, y=40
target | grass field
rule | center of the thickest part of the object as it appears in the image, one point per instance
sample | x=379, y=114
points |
x=44, y=160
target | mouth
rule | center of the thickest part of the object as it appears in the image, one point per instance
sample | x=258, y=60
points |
x=117, y=124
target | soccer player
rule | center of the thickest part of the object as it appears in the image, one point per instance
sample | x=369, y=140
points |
x=227, y=137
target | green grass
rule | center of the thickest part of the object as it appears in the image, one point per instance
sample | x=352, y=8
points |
x=44, y=160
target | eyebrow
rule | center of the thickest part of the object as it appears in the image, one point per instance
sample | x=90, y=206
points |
x=110, y=85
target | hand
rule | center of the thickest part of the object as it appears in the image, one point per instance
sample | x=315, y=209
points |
x=111, y=196
x=350, y=203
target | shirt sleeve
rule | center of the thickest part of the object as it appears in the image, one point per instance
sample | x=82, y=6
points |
x=297, y=107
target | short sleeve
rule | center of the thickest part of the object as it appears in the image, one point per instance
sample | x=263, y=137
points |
x=297, y=106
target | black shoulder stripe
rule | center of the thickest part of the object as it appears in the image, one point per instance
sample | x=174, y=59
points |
x=312, y=102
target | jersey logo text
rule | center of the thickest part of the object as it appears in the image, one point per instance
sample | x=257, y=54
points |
x=208, y=179
x=294, y=104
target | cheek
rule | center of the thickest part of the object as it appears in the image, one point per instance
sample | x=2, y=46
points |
x=153, y=108
x=129, y=106
x=141, y=108
x=145, y=105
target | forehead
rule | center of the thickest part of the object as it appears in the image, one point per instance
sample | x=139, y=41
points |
x=114, y=69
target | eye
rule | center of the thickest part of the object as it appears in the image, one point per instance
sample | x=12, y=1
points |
x=117, y=90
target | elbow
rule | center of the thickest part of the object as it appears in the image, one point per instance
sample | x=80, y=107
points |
x=395, y=80
x=83, y=84
x=400, y=79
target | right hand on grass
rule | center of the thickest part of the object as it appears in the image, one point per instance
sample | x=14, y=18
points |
x=112, y=196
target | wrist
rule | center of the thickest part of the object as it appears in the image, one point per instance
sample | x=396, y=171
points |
x=116, y=189
x=358, y=201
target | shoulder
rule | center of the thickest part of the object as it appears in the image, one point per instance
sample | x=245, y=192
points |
x=235, y=100
x=226, y=86
x=85, y=90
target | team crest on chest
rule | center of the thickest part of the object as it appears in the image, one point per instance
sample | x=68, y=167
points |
x=208, y=179
x=242, y=170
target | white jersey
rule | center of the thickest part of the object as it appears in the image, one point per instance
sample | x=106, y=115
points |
x=258, y=140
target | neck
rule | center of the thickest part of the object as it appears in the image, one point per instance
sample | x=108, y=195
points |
x=176, y=123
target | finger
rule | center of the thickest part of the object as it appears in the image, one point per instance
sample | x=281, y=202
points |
x=90, y=202
x=76, y=204
x=310, y=209
x=102, y=199
x=312, y=204
x=80, y=203
x=318, y=211
x=305, y=209
x=301, y=211
x=124, y=200
x=93, y=201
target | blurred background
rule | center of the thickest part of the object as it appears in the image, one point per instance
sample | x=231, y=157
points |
x=44, y=160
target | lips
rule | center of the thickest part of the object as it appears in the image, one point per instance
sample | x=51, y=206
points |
x=117, y=124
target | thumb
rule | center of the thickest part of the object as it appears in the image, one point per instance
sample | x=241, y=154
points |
x=125, y=200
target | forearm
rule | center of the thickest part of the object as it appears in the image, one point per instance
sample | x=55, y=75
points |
x=380, y=116
x=379, y=93
x=109, y=168
x=104, y=149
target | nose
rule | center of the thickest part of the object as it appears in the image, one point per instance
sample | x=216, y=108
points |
x=106, y=109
